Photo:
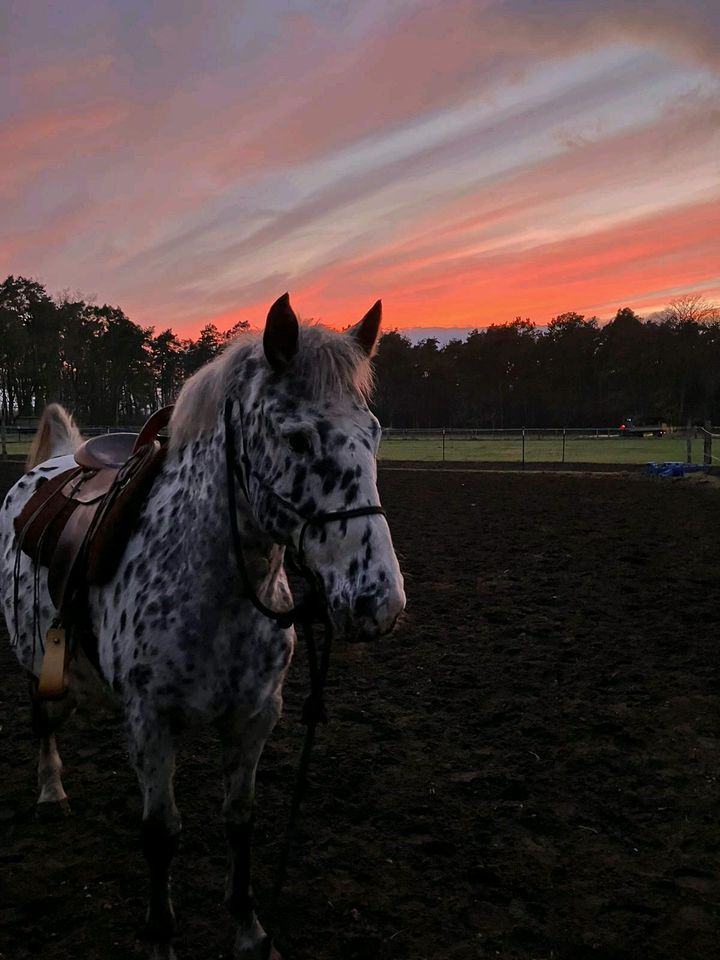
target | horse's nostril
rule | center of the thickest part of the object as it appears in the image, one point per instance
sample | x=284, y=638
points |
x=366, y=606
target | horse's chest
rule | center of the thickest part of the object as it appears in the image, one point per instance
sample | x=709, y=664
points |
x=204, y=657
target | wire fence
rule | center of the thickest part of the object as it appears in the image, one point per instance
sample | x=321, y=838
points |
x=596, y=445
x=559, y=446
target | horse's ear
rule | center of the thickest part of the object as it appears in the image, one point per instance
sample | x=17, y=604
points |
x=366, y=331
x=280, y=340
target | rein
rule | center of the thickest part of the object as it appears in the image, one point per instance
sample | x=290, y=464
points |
x=312, y=609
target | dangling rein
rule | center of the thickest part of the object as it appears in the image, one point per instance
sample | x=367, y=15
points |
x=312, y=609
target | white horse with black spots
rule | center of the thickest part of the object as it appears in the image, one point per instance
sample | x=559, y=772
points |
x=178, y=639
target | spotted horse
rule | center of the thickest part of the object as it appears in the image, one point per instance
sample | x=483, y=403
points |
x=272, y=453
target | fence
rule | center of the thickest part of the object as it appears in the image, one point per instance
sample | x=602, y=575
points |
x=523, y=446
x=572, y=446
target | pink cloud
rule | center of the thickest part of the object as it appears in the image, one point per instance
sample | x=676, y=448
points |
x=136, y=134
x=42, y=140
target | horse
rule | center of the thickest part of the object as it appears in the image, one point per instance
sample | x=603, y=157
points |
x=272, y=453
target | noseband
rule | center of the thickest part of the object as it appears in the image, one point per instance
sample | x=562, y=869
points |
x=313, y=608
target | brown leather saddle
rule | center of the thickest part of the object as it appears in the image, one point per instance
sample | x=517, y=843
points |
x=78, y=524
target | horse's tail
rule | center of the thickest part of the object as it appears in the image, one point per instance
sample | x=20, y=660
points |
x=57, y=434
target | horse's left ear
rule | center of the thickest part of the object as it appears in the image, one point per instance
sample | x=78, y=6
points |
x=366, y=332
x=280, y=339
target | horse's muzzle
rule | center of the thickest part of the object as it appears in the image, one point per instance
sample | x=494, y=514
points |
x=370, y=616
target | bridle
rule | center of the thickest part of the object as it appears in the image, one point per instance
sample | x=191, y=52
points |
x=312, y=609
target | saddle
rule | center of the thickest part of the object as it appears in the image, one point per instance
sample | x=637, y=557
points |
x=78, y=524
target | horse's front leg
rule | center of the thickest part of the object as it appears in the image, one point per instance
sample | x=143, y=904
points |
x=242, y=741
x=152, y=751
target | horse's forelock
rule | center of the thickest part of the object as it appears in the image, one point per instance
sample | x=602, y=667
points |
x=328, y=365
x=331, y=365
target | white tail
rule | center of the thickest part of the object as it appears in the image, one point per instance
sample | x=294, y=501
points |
x=57, y=434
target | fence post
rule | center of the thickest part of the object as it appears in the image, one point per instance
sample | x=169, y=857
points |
x=707, y=447
x=443, y=444
x=688, y=442
x=3, y=430
x=563, y=453
x=523, y=448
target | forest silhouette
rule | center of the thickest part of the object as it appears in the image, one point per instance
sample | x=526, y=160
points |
x=575, y=372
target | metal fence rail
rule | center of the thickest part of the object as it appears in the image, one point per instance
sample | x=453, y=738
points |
x=600, y=445
x=576, y=445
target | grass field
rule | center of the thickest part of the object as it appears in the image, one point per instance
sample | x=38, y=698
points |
x=585, y=450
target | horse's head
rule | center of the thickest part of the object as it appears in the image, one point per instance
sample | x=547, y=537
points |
x=309, y=444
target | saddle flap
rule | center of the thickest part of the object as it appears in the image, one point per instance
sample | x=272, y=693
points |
x=68, y=549
x=90, y=487
x=120, y=512
x=42, y=518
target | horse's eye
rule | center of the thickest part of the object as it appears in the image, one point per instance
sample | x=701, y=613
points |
x=299, y=442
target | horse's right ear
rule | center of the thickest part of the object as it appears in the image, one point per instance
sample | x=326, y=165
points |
x=366, y=332
x=280, y=340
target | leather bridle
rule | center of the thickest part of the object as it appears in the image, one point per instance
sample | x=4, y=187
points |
x=313, y=608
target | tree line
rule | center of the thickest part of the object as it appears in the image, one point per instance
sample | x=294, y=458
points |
x=575, y=372
x=93, y=359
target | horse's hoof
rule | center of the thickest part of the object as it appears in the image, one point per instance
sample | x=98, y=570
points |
x=52, y=810
x=261, y=950
x=162, y=951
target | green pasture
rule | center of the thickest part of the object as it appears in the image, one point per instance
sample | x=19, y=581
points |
x=550, y=450
x=15, y=447
x=585, y=450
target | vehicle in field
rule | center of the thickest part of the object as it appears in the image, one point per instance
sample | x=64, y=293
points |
x=643, y=427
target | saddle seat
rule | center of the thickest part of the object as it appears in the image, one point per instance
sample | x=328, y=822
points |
x=109, y=450
x=78, y=523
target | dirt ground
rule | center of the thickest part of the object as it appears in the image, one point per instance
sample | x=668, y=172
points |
x=527, y=769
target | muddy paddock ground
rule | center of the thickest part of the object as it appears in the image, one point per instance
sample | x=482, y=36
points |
x=527, y=769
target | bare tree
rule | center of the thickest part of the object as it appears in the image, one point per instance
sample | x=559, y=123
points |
x=692, y=308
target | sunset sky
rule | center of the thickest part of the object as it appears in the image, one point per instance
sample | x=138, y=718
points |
x=466, y=160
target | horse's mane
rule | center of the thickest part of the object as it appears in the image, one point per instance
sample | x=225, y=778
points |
x=329, y=365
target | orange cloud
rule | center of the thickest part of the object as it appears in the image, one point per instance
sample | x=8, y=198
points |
x=641, y=264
